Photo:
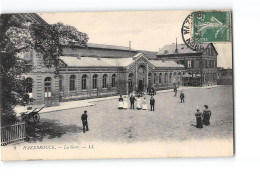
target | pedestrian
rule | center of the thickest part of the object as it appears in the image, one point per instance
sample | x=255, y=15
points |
x=175, y=91
x=84, y=119
x=198, y=115
x=138, y=103
x=206, y=115
x=182, y=97
x=152, y=102
x=144, y=106
x=120, y=102
x=132, y=102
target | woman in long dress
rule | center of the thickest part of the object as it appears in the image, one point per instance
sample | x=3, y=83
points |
x=138, y=103
x=125, y=104
x=120, y=102
x=206, y=115
x=198, y=115
x=144, y=107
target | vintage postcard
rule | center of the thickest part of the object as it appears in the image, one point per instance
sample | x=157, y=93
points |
x=133, y=84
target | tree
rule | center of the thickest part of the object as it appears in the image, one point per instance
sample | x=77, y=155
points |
x=18, y=37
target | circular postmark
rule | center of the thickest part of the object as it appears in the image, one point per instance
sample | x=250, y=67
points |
x=187, y=33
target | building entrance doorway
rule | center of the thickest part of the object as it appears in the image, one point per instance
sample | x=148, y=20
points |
x=47, y=92
x=141, y=85
x=141, y=78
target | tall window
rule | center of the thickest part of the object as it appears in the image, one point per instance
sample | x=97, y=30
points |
x=114, y=80
x=170, y=78
x=72, y=82
x=61, y=83
x=104, y=81
x=130, y=81
x=149, y=79
x=160, y=78
x=84, y=82
x=94, y=81
x=189, y=63
x=47, y=87
x=165, y=78
x=154, y=78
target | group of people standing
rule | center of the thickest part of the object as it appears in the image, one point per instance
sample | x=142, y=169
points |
x=203, y=118
x=140, y=103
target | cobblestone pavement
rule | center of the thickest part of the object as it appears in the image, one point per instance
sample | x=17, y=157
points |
x=171, y=120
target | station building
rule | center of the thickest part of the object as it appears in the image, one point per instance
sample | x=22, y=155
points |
x=83, y=77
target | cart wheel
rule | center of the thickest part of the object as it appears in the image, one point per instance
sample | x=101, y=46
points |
x=36, y=118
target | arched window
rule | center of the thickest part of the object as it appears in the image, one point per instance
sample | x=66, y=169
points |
x=61, y=83
x=154, y=78
x=94, y=81
x=113, y=80
x=72, y=82
x=160, y=78
x=47, y=87
x=29, y=83
x=104, y=81
x=165, y=78
x=84, y=82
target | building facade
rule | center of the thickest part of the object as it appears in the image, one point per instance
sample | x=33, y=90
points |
x=225, y=76
x=201, y=66
x=91, y=77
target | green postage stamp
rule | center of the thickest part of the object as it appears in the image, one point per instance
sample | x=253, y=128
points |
x=211, y=26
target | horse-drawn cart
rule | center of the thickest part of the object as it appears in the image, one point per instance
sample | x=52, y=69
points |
x=31, y=117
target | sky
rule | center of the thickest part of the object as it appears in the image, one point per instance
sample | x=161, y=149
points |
x=147, y=30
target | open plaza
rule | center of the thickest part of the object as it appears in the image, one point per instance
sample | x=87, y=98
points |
x=171, y=120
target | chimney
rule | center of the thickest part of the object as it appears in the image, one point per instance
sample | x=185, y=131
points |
x=79, y=57
x=129, y=48
x=176, y=49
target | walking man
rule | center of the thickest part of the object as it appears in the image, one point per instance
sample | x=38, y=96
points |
x=84, y=119
x=152, y=102
x=182, y=97
x=132, y=102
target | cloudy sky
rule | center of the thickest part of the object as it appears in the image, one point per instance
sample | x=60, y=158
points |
x=147, y=30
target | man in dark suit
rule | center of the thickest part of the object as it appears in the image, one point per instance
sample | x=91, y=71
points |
x=152, y=102
x=132, y=102
x=182, y=97
x=84, y=119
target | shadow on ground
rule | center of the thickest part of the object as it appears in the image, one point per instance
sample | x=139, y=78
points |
x=50, y=129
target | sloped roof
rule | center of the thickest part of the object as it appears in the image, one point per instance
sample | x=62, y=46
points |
x=167, y=63
x=182, y=49
x=73, y=61
x=112, y=47
x=149, y=54
x=121, y=62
